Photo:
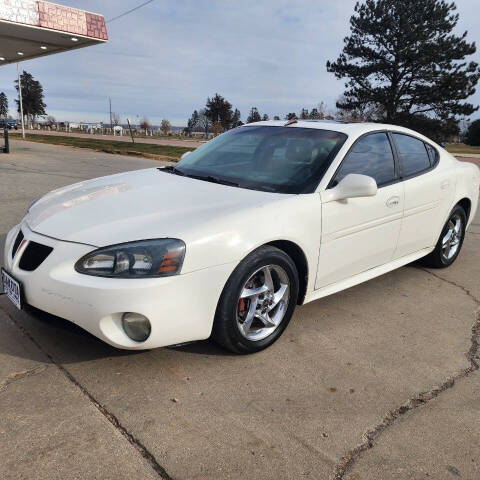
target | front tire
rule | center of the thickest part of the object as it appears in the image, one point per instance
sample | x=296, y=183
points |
x=257, y=302
x=450, y=242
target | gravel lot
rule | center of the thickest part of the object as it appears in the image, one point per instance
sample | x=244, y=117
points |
x=380, y=381
x=186, y=142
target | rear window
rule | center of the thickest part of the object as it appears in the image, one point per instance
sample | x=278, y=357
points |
x=413, y=154
x=432, y=153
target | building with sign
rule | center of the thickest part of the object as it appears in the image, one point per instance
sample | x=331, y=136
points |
x=34, y=28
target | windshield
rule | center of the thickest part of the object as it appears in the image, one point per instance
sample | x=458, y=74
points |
x=272, y=159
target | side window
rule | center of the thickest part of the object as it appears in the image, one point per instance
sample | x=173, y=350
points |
x=432, y=153
x=413, y=154
x=371, y=155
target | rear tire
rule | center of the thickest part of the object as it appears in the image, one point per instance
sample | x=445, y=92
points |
x=257, y=301
x=450, y=242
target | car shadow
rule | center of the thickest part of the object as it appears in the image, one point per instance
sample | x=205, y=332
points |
x=202, y=347
x=61, y=341
x=66, y=343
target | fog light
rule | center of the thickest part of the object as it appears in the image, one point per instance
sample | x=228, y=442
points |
x=136, y=326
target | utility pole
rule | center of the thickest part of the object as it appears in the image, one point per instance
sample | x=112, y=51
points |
x=20, y=100
x=111, y=125
x=130, y=128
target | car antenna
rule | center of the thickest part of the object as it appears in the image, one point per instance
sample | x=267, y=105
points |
x=291, y=121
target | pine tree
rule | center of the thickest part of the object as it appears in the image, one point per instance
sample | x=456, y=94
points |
x=236, y=118
x=218, y=110
x=304, y=115
x=473, y=134
x=3, y=105
x=32, y=96
x=193, y=122
x=402, y=60
x=254, y=116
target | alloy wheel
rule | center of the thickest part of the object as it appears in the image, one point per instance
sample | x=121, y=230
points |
x=453, y=237
x=263, y=302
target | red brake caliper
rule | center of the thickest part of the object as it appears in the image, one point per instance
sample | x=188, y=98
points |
x=241, y=305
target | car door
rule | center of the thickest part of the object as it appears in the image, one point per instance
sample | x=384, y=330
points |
x=427, y=190
x=361, y=233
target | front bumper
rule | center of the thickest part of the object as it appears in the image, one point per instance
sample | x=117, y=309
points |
x=180, y=308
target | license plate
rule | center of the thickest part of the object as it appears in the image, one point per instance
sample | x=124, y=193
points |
x=12, y=289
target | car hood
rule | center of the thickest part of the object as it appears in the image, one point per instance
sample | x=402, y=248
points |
x=138, y=205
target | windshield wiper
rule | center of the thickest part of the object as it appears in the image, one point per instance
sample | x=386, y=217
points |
x=172, y=169
x=206, y=178
x=212, y=179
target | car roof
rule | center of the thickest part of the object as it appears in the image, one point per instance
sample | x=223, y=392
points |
x=351, y=129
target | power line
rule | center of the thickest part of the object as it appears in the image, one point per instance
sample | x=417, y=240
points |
x=129, y=11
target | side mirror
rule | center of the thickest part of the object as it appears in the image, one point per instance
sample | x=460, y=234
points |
x=352, y=186
x=185, y=155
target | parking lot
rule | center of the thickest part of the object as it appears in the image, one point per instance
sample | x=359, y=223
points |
x=377, y=382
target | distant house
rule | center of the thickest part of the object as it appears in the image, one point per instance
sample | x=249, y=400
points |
x=87, y=127
x=78, y=126
x=202, y=134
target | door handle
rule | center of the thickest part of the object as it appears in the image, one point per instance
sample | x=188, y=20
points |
x=393, y=202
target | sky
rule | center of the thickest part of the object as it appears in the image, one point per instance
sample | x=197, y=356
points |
x=165, y=59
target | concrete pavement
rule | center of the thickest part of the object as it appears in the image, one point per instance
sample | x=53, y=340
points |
x=379, y=381
x=48, y=427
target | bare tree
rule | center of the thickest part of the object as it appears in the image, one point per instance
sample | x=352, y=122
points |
x=322, y=110
x=368, y=112
x=145, y=125
x=204, y=122
x=165, y=126
x=116, y=119
x=216, y=128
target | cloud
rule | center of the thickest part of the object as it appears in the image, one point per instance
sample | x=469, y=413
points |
x=165, y=59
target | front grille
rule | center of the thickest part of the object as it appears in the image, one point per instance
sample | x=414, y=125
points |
x=33, y=256
x=17, y=243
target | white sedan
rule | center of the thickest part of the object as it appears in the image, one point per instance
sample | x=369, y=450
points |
x=227, y=242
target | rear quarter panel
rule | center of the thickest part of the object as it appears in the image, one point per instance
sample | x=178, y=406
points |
x=467, y=186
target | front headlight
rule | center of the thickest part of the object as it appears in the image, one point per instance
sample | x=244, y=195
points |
x=145, y=258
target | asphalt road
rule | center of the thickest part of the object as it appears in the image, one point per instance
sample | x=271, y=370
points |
x=380, y=381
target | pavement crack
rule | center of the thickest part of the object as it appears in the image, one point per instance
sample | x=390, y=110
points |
x=451, y=282
x=135, y=442
x=14, y=377
x=345, y=464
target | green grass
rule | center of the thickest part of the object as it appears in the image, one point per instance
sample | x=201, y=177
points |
x=149, y=150
x=461, y=148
